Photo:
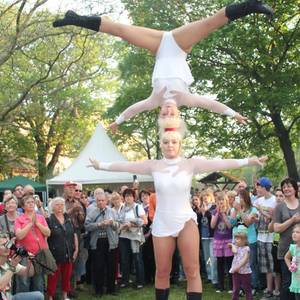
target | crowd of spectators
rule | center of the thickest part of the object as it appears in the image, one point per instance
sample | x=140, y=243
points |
x=103, y=238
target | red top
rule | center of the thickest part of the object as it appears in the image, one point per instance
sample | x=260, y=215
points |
x=32, y=242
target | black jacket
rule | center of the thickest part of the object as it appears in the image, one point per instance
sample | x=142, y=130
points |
x=61, y=240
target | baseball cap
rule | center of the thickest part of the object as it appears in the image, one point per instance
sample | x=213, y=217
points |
x=69, y=183
x=264, y=182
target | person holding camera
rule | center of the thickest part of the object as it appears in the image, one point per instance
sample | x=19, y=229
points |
x=10, y=265
x=31, y=231
x=7, y=221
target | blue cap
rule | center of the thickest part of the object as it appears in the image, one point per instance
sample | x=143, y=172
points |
x=264, y=182
x=241, y=230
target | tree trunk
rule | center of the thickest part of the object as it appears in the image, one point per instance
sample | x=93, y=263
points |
x=286, y=146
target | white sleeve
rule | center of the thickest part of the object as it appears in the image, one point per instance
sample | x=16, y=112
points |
x=202, y=165
x=139, y=167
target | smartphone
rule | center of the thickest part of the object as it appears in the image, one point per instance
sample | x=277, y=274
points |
x=237, y=200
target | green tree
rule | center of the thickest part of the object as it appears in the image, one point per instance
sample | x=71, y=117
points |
x=251, y=64
x=53, y=91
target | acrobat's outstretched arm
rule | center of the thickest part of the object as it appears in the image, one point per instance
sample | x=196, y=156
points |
x=136, y=167
x=195, y=100
x=201, y=165
x=150, y=103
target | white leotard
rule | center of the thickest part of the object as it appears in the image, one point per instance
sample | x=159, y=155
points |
x=171, y=69
x=172, y=181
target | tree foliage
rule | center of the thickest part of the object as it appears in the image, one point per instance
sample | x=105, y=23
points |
x=55, y=85
x=251, y=64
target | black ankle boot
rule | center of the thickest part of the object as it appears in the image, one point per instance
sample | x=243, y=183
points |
x=161, y=294
x=71, y=18
x=193, y=296
x=238, y=10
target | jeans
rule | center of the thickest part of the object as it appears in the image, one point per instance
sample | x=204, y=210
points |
x=286, y=279
x=26, y=284
x=254, y=265
x=210, y=260
x=125, y=249
x=28, y=296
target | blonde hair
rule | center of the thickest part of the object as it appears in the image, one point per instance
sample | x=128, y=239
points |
x=209, y=193
x=231, y=194
x=222, y=196
x=176, y=126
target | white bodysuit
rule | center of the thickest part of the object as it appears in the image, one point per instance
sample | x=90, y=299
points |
x=172, y=181
x=172, y=72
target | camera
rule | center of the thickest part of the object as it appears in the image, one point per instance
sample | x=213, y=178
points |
x=20, y=251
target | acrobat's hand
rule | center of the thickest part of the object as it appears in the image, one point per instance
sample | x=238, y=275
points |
x=258, y=161
x=241, y=119
x=113, y=127
x=94, y=164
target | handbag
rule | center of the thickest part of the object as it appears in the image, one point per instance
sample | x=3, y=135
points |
x=43, y=262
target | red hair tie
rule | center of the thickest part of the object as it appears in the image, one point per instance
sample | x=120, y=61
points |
x=170, y=129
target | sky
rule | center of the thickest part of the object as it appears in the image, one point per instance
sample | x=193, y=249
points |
x=89, y=7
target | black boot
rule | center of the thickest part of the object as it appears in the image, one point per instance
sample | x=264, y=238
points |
x=238, y=10
x=71, y=18
x=161, y=294
x=193, y=296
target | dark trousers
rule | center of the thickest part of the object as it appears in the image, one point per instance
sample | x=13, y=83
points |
x=103, y=267
x=286, y=279
x=125, y=249
x=221, y=263
x=148, y=260
x=241, y=281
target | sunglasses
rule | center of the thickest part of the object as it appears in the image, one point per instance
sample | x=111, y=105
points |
x=78, y=190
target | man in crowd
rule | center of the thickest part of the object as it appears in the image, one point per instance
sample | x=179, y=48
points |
x=265, y=203
x=102, y=225
x=18, y=192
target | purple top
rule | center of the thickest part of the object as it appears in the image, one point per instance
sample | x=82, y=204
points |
x=221, y=231
x=241, y=252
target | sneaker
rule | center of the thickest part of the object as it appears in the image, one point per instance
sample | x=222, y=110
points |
x=219, y=291
x=253, y=292
x=241, y=293
x=276, y=293
x=139, y=286
x=268, y=294
x=229, y=291
x=123, y=285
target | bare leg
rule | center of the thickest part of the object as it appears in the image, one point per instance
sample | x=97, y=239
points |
x=190, y=34
x=143, y=37
x=188, y=244
x=163, y=250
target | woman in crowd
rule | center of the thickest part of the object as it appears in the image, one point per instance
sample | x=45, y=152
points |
x=31, y=231
x=246, y=214
x=102, y=225
x=172, y=75
x=174, y=220
x=7, y=221
x=63, y=244
x=147, y=248
x=220, y=222
x=285, y=216
x=132, y=219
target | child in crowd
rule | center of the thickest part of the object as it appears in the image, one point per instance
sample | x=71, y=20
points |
x=240, y=269
x=292, y=260
x=220, y=222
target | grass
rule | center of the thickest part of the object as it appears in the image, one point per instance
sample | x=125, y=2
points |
x=147, y=293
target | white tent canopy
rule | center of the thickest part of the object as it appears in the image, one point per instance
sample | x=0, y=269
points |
x=101, y=148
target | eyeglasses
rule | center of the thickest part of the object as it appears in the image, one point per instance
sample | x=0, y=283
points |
x=78, y=191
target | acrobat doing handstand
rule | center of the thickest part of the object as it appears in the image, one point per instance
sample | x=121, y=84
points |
x=172, y=75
